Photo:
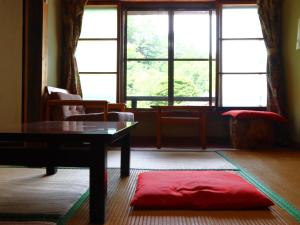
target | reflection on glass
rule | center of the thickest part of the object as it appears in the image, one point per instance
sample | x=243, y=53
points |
x=191, y=79
x=191, y=34
x=244, y=90
x=244, y=56
x=99, y=22
x=148, y=104
x=111, y=130
x=147, y=34
x=97, y=56
x=147, y=78
x=99, y=86
x=192, y=103
x=246, y=26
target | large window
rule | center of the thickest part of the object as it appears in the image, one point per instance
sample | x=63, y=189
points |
x=173, y=56
x=97, y=53
x=170, y=58
x=244, y=58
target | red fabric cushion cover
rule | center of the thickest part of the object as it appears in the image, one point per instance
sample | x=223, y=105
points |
x=196, y=190
x=254, y=114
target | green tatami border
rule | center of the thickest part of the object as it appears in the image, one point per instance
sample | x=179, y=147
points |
x=73, y=209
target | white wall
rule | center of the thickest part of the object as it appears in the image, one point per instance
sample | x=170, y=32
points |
x=54, y=37
x=291, y=59
x=10, y=62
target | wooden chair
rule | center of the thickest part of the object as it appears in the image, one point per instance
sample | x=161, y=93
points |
x=181, y=115
x=61, y=105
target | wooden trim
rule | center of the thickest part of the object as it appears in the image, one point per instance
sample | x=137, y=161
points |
x=171, y=58
x=218, y=55
x=44, y=72
x=118, y=77
x=107, y=2
x=35, y=66
x=169, y=5
x=120, y=107
x=25, y=57
x=124, y=54
x=210, y=59
x=237, y=2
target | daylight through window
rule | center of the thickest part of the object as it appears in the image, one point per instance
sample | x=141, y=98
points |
x=170, y=56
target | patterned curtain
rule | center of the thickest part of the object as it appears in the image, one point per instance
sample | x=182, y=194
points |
x=270, y=18
x=72, y=12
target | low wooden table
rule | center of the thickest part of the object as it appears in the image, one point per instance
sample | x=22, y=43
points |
x=43, y=143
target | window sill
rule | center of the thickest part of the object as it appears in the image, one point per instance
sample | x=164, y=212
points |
x=214, y=108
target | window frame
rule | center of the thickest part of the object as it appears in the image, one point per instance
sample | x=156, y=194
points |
x=134, y=5
x=96, y=4
x=170, y=9
x=220, y=39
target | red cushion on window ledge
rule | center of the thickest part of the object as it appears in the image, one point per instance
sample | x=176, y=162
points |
x=255, y=114
x=196, y=190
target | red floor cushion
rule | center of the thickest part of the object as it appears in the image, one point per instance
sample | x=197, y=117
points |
x=196, y=190
x=255, y=114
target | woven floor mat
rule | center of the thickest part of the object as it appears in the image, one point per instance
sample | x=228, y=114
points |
x=26, y=193
x=120, y=192
x=162, y=160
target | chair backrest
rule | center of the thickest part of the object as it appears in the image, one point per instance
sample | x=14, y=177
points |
x=60, y=112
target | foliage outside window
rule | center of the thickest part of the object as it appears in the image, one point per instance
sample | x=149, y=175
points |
x=168, y=62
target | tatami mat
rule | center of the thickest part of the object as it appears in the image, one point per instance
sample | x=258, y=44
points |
x=281, y=172
x=171, y=160
x=119, y=212
x=28, y=193
x=120, y=192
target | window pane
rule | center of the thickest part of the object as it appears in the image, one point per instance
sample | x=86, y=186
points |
x=147, y=78
x=244, y=90
x=99, y=22
x=241, y=22
x=214, y=35
x=147, y=34
x=97, y=56
x=191, y=79
x=213, y=79
x=99, y=86
x=244, y=56
x=191, y=34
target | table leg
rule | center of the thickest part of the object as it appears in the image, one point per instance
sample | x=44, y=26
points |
x=51, y=170
x=51, y=147
x=98, y=183
x=125, y=156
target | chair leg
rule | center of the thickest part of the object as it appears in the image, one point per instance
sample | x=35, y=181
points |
x=203, y=131
x=158, y=137
x=158, y=130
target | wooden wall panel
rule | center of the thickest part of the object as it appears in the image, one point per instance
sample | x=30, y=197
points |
x=35, y=58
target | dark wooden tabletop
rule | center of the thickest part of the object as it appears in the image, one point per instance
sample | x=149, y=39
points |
x=80, y=129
